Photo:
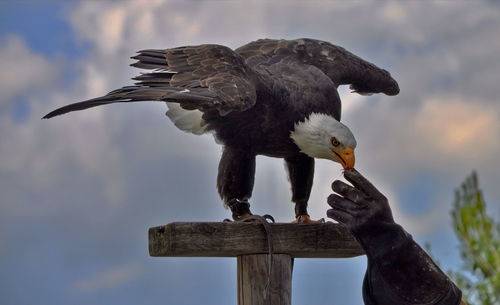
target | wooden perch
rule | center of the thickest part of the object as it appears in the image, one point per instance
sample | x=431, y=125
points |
x=258, y=283
x=230, y=239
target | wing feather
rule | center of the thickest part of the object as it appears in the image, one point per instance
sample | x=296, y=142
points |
x=200, y=77
x=341, y=66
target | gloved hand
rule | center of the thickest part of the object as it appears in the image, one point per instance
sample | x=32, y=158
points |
x=364, y=211
x=399, y=271
x=361, y=205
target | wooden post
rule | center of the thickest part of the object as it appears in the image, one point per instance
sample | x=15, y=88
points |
x=248, y=242
x=256, y=286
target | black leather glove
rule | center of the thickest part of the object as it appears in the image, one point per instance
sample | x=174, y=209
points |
x=399, y=271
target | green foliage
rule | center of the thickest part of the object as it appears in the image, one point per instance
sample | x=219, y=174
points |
x=479, y=238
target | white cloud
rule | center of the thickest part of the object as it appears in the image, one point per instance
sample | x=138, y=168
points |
x=108, y=279
x=22, y=69
x=442, y=133
x=451, y=126
x=394, y=12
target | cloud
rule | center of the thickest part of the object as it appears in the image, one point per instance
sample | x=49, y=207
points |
x=23, y=70
x=108, y=279
x=394, y=12
x=111, y=21
x=451, y=126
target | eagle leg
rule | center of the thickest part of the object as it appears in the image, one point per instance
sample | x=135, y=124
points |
x=301, y=173
x=235, y=180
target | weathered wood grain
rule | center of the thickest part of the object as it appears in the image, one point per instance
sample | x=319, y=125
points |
x=253, y=280
x=231, y=239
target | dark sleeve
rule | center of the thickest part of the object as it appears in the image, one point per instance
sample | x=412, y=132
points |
x=400, y=272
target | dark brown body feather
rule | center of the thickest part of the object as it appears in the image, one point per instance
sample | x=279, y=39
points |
x=251, y=98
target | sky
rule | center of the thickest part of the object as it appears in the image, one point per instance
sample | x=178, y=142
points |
x=79, y=192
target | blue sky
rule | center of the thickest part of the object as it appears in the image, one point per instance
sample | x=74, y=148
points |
x=80, y=191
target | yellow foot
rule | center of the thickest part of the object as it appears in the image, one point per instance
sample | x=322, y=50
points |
x=243, y=216
x=307, y=219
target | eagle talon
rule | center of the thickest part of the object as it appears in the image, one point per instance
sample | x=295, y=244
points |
x=307, y=219
x=242, y=217
x=269, y=217
x=255, y=218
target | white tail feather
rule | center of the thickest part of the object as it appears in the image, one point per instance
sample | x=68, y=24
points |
x=186, y=120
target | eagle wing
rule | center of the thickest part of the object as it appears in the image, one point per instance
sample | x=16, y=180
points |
x=197, y=77
x=341, y=66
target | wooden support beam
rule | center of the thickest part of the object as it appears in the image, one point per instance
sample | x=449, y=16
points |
x=231, y=239
x=253, y=279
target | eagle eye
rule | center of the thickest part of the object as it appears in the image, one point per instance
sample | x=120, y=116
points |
x=334, y=141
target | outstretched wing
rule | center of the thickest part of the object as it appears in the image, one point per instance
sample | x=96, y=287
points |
x=341, y=66
x=197, y=77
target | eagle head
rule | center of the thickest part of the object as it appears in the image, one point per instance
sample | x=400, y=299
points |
x=322, y=136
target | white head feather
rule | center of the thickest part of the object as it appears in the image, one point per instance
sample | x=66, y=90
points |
x=313, y=135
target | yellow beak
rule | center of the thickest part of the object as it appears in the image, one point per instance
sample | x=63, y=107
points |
x=345, y=157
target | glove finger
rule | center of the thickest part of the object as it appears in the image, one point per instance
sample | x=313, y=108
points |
x=360, y=182
x=340, y=216
x=335, y=200
x=339, y=202
x=349, y=192
x=338, y=185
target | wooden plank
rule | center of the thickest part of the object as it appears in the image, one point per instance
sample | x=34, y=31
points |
x=256, y=286
x=230, y=239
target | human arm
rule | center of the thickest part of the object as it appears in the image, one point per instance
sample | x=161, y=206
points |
x=399, y=271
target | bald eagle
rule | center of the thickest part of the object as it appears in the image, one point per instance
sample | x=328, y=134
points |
x=275, y=98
